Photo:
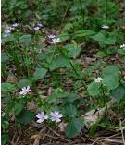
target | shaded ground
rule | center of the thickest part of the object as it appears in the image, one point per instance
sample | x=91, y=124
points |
x=44, y=135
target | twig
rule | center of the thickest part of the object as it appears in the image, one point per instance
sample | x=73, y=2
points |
x=121, y=129
x=54, y=132
x=113, y=140
x=113, y=136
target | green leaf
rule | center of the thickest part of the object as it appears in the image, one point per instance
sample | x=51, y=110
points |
x=100, y=37
x=56, y=95
x=59, y=61
x=94, y=89
x=77, y=84
x=64, y=37
x=74, y=127
x=91, y=69
x=105, y=37
x=26, y=116
x=10, y=106
x=25, y=38
x=4, y=138
x=73, y=51
x=39, y=73
x=118, y=93
x=4, y=57
x=10, y=38
x=5, y=124
x=83, y=33
x=24, y=82
x=101, y=53
x=111, y=77
x=18, y=107
x=111, y=50
x=69, y=96
x=8, y=87
x=121, y=51
x=70, y=110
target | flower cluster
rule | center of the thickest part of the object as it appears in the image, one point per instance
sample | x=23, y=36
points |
x=54, y=116
x=105, y=27
x=11, y=28
x=98, y=80
x=25, y=90
x=38, y=26
x=54, y=39
x=122, y=46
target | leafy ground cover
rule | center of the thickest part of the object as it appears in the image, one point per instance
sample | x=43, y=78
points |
x=63, y=72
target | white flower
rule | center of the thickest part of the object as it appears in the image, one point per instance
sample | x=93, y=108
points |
x=15, y=25
x=55, y=40
x=36, y=28
x=25, y=90
x=7, y=31
x=122, y=46
x=41, y=117
x=105, y=27
x=98, y=80
x=55, y=116
x=12, y=28
x=39, y=24
x=51, y=36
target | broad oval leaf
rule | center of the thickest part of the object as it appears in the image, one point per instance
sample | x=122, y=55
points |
x=111, y=77
x=94, y=89
x=26, y=116
x=24, y=82
x=59, y=62
x=4, y=138
x=4, y=57
x=8, y=87
x=118, y=93
x=25, y=38
x=74, y=127
x=73, y=51
x=39, y=73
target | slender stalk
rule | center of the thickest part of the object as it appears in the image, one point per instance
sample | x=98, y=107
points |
x=83, y=83
x=64, y=16
x=106, y=10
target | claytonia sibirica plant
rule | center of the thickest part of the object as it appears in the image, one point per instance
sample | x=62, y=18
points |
x=7, y=33
x=55, y=40
x=55, y=116
x=41, y=117
x=55, y=60
x=25, y=90
x=98, y=80
x=122, y=46
x=105, y=27
x=51, y=36
x=9, y=29
x=15, y=25
x=38, y=26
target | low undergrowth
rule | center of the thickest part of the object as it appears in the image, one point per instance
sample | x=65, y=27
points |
x=62, y=63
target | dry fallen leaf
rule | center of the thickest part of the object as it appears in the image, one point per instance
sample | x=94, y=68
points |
x=62, y=126
x=36, y=136
x=11, y=78
x=92, y=117
x=31, y=106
